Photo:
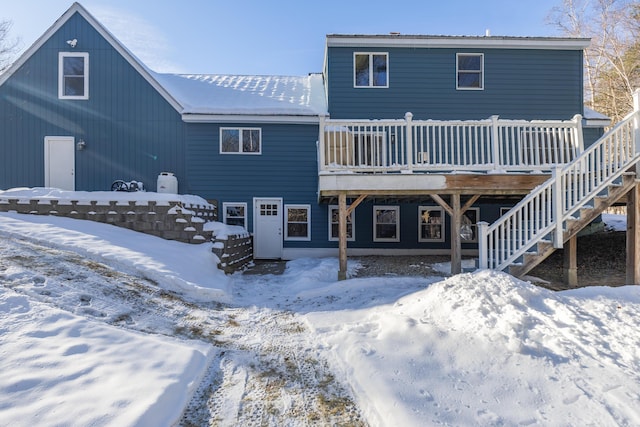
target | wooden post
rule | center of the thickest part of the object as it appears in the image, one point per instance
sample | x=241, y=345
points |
x=571, y=262
x=342, y=235
x=456, y=239
x=633, y=236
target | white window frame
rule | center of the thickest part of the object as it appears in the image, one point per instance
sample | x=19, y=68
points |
x=351, y=219
x=226, y=205
x=481, y=71
x=441, y=224
x=375, y=223
x=286, y=223
x=61, y=76
x=371, y=79
x=474, y=226
x=240, y=133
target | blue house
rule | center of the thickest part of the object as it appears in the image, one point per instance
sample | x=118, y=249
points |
x=401, y=145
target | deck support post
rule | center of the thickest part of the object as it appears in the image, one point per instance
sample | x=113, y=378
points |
x=343, y=214
x=342, y=236
x=570, y=262
x=456, y=240
x=633, y=236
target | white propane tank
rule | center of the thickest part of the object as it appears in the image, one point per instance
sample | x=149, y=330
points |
x=167, y=183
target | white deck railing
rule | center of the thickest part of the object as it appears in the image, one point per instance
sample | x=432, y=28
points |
x=543, y=212
x=409, y=145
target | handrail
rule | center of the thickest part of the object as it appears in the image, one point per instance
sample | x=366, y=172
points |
x=409, y=145
x=550, y=204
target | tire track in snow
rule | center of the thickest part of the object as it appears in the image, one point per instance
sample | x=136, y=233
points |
x=267, y=371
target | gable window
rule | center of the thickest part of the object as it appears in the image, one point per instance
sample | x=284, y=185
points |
x=470, y=71
x=235, y=214
x=240, y=140
x=298, y=222
x=386, y=223
x=73, y=75
x=334, y=224
x=371, y=69
x=431, y=224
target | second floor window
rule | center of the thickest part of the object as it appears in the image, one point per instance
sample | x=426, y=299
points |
x=470, y=71
x=240, y=141
x=73, y=74
x=371, y=69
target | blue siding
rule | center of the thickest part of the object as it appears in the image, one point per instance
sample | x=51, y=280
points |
x=131, y=132
x=519, y=84
x=286, y=168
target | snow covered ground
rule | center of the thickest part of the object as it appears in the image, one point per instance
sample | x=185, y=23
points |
x=101, y=326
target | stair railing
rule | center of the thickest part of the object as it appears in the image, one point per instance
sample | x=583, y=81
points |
x=545, y=210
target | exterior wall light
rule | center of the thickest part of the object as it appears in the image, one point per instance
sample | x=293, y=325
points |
x=81, y=145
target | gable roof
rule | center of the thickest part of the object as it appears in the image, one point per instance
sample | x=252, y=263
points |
x=119, y=47
x=209, y=97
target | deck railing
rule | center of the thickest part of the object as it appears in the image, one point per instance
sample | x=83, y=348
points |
x=542, y=214
x=408, y=145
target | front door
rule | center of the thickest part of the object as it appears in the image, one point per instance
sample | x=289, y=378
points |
x=59, y=162
x=267, y=228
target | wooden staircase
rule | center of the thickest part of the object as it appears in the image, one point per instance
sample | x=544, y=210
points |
x=574, y=225
x=559, y=208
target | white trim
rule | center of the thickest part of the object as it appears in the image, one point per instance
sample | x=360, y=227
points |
x=306, y=238
x=481, y=71
x=236, y=204
x=442, y=224
x=352, y=216
x=115, y=43
x=371, y=79
x=240, y=118
x=61, y=76
x=240, y=132
x=375, y=223
x=457, y=42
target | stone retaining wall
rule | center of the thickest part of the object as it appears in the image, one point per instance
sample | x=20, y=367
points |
x=169, y=221
x=235, y=252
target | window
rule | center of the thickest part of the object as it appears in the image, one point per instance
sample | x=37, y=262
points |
x=386, y=224
x=235, y=214
x=431, y=224
x=73, y=75
x=334, y=224
x=370, y=69
x=240, y=140
x=298, y=225
x=470, y=71
x=469, y=226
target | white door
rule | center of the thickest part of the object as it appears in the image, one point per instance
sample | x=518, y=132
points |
x=267, y=228
x=59, y=162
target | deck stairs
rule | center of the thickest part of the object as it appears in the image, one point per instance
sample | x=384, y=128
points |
x=559, y=208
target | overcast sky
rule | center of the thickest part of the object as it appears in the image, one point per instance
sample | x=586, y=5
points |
x=274, y=37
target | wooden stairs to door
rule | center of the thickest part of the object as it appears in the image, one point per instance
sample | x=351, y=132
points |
x=574, y=225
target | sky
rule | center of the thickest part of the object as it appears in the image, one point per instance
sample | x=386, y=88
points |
x=104, y=326
x=277, y=37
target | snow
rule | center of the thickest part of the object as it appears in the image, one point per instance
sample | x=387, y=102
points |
x=478, y=348
x=257, y=95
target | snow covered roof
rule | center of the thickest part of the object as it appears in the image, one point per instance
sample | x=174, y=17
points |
x=595, y=119
x=227, y=95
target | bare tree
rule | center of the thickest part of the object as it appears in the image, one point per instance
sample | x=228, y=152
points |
x=7, y=47
x=611, y=62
